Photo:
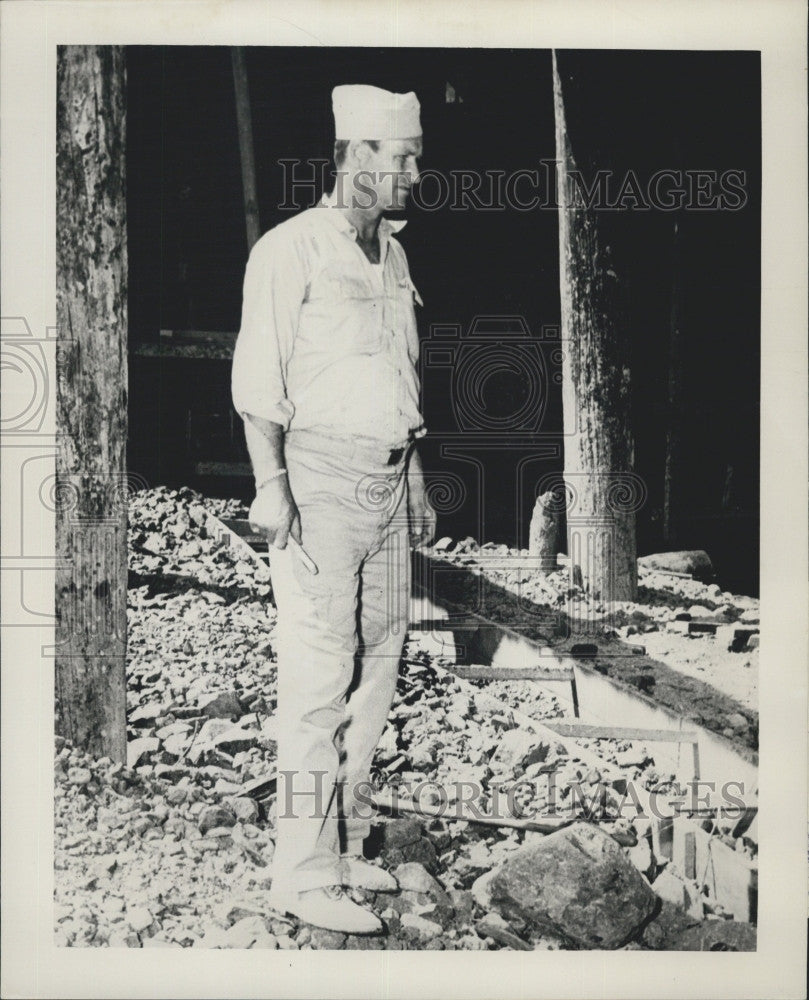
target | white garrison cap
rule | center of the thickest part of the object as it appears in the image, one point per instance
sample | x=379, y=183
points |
x=362, y=112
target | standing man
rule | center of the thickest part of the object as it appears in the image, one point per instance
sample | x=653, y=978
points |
x=324, y=376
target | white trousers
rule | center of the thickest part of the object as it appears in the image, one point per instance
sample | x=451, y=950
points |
x=340, y=636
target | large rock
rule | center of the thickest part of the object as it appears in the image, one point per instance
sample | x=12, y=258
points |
x=415, y=877
x=578, y=883
x=212, y=817
x=716, y=935
x=405, y=840
x=696, y=562
x=221, y=705
x=672, y=929
x=397, y=833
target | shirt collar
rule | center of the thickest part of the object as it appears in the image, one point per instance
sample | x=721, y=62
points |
x=386, y=226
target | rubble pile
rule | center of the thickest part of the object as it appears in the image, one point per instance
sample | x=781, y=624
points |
x=175, y=848
x=168, y=534
x=689, y=625
x=661, y=594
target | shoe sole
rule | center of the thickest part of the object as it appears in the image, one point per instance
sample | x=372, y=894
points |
x=286, y=912
x=371, y=888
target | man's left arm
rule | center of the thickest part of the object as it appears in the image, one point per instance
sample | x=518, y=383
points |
x=421, y=514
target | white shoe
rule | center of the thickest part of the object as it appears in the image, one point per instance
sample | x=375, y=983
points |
x=330, y=908
x=361, y=874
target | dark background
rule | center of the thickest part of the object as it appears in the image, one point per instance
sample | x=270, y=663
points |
x=641, y=110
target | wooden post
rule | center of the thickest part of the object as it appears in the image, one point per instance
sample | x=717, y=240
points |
x=675, y=391
x=245, y=126
x=599, y=445
x=91, y=311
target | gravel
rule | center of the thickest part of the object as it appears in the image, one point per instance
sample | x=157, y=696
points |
x=175, y=848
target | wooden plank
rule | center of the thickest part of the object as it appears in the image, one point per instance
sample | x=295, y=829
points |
x=696, y=627
x=224, y=337
x=441, y=625
x=190, y=351
x=387, y=799
x=690, y=850
x=585, y=730
x=574, y=694
x=662, y=836
x=241, y=527
x=513, y=673
x=218, y=529
x=241, y=469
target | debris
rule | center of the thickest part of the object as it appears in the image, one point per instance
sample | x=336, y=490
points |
x=137, y=750
x=696, y=563
x=641, y=857
x=425, y=928
x=139, y=919
x=495, y=927
x=324, y=940
x=213, y=637
x=215, y=816
x=224, y=705
x=415, y=877
x=577, y=883
x=675, y=890
x=79, y=776
x=245, y=809
x=672, y=929
x=482, y=889
x=741, y=638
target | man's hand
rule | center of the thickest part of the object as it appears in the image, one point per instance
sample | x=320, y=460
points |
x=421, y=514
x=274, y=514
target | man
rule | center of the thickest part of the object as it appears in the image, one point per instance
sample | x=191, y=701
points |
x=324, y=376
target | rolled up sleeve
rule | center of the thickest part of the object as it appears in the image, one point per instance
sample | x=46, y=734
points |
x=274, y=290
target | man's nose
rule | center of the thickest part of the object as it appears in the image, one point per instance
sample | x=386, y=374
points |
x=413, y=171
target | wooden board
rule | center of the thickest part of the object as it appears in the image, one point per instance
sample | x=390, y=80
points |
x=514, y=673
x=585, y=730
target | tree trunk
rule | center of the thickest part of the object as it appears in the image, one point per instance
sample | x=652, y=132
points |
x=91, y=309
x=603, y=493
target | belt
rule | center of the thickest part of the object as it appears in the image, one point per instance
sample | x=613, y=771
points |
x=353, y=448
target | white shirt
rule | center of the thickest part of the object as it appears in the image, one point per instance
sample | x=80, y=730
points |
x=328, y=341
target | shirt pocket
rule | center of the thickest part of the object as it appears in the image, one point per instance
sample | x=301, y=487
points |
x=406, y=283
x=350, y=314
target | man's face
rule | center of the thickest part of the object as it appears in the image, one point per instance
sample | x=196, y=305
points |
x=393, y=170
